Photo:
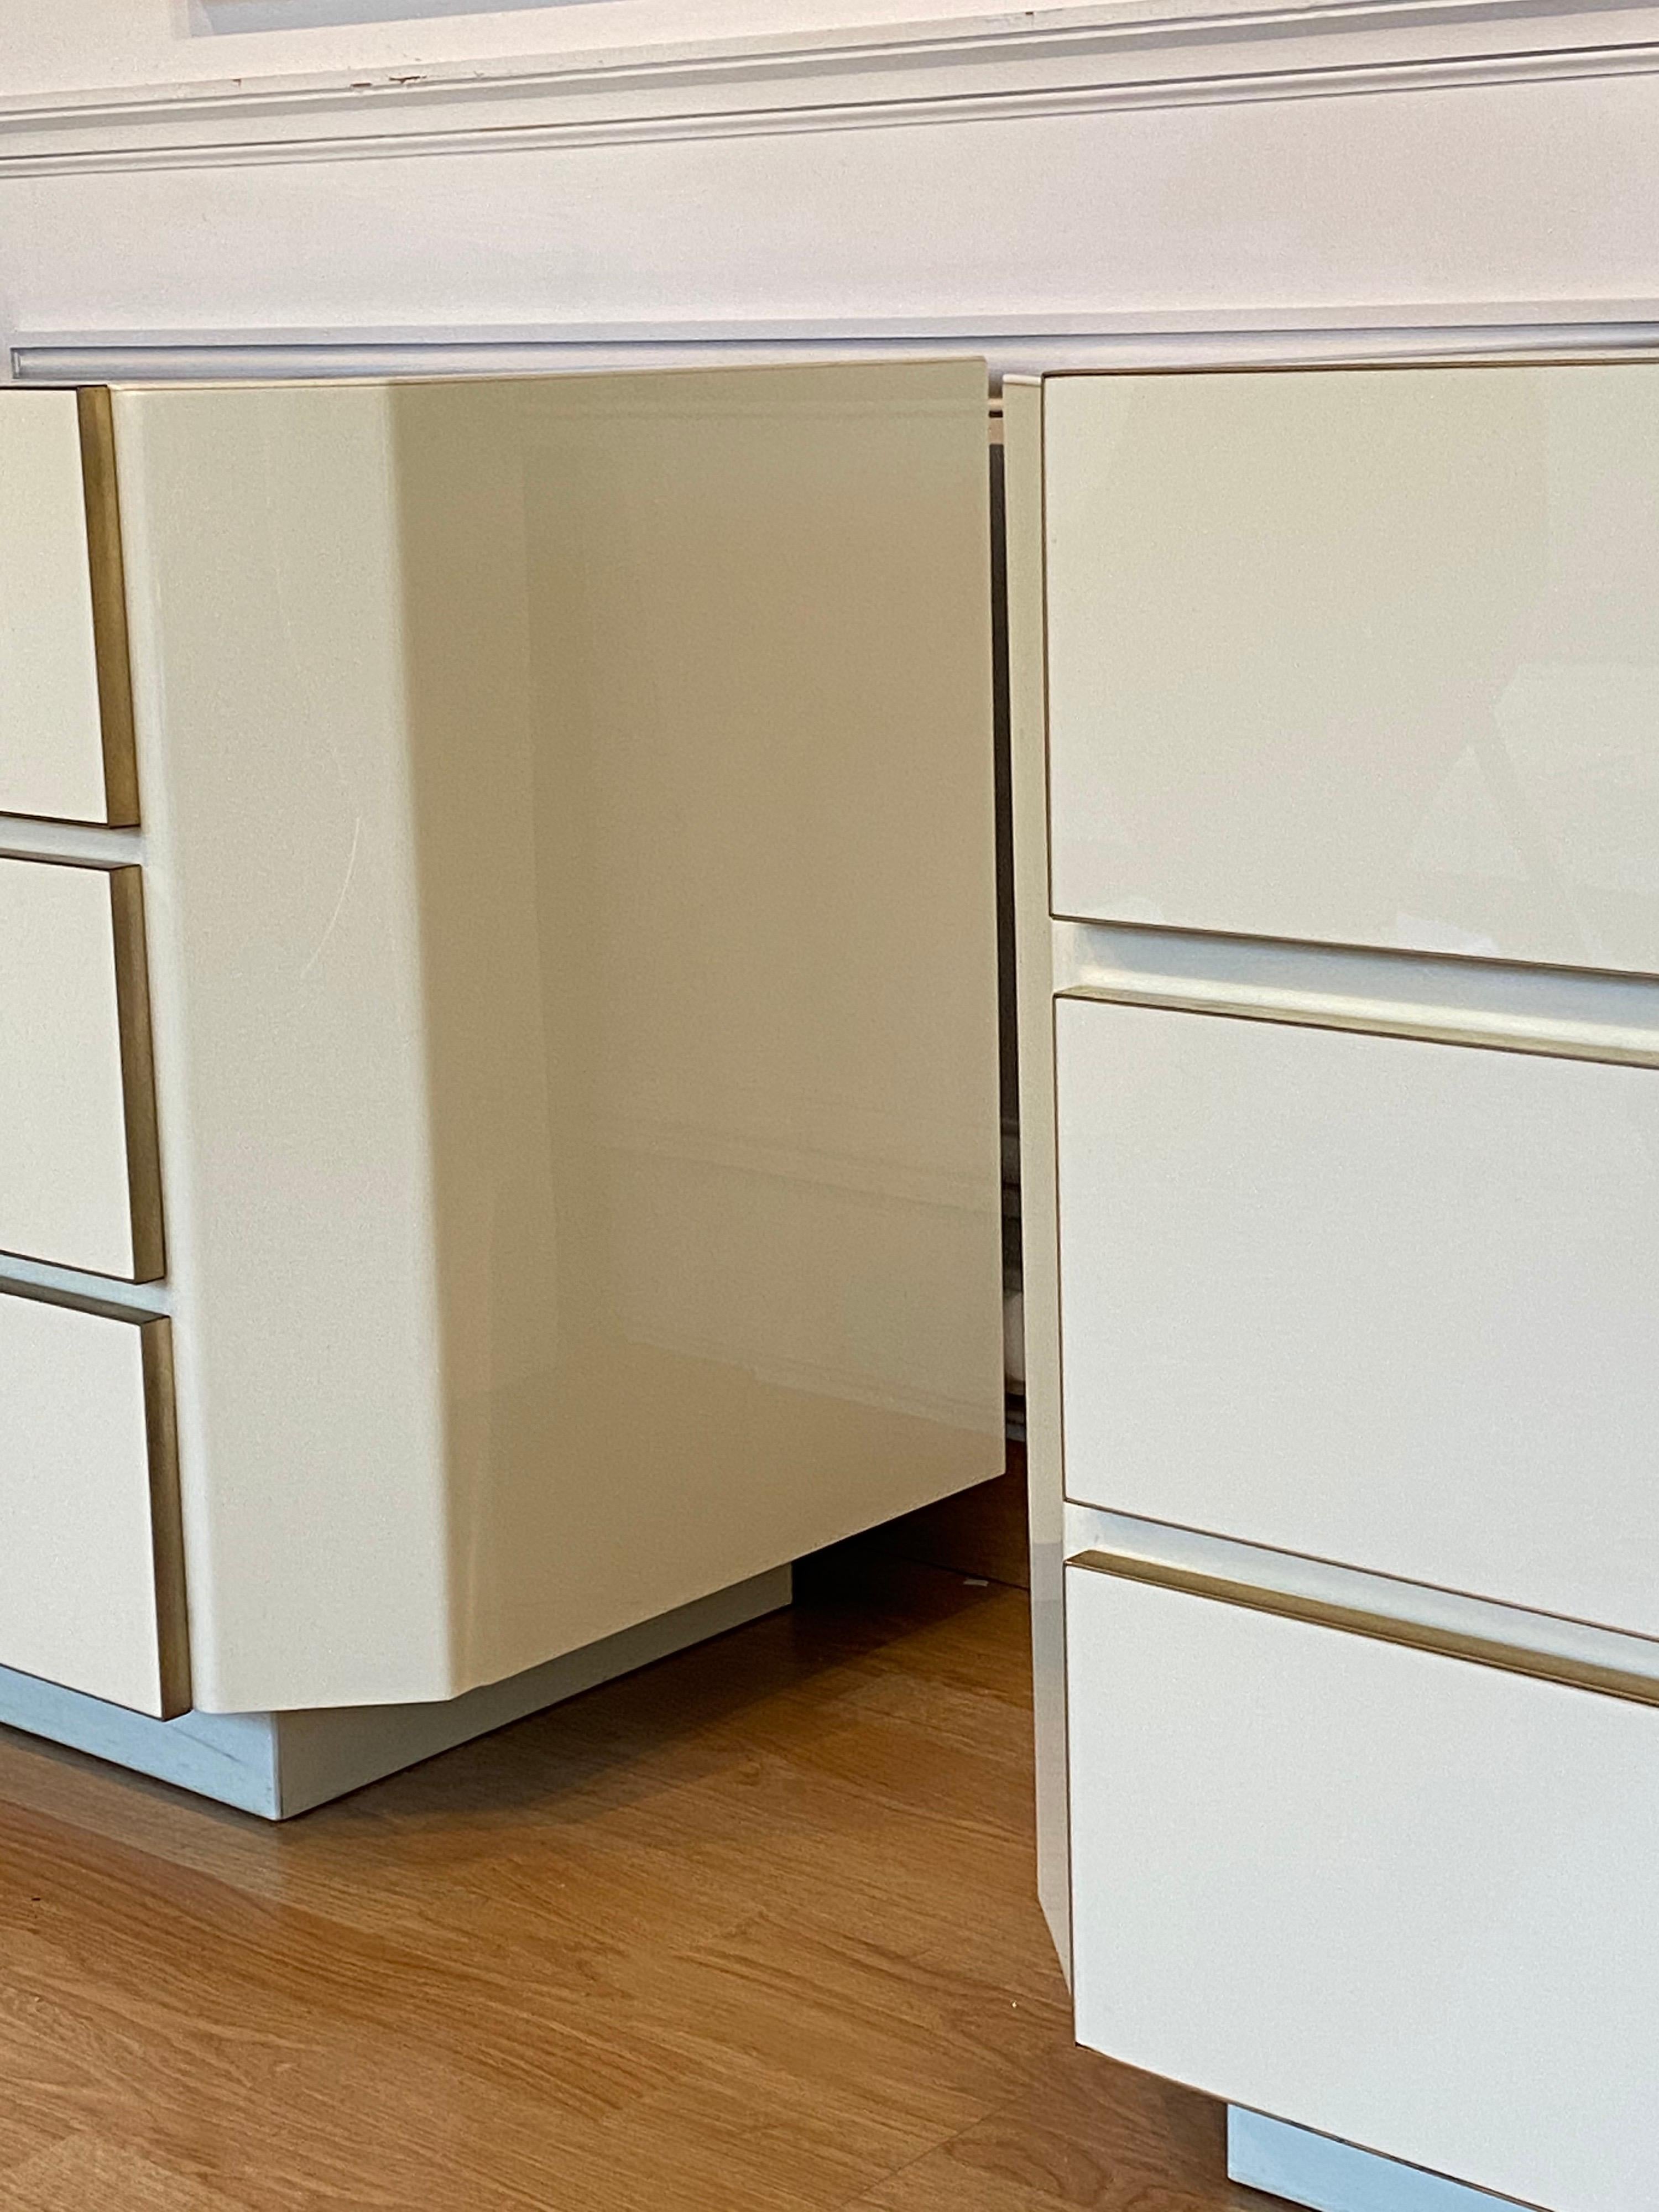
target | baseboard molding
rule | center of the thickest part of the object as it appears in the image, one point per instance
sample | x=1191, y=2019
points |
x=1328, y=2176
x=277, y=1764
x=1126, y=54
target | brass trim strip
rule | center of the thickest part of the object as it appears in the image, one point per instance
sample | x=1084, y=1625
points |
x=126, y=898
x=73, y=1301
x=109, y=605
x=1381, y=1627
x=1603, y=1045
x=166, y=1521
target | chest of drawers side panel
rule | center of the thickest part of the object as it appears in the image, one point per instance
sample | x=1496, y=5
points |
x=1023, y=446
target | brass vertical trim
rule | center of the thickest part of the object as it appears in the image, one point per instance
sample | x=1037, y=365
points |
x=1473, y=1648
x=137, y=1075
x=167, y=1525
x=109, y=604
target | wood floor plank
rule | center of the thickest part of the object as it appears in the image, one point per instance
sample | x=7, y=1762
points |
x=753, y=1931
x=83, y=2173
x=939, y=2183
x=931, y=2046
x=1089, y=2136
x=762, y=2122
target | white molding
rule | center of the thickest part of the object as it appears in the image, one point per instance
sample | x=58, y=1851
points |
x=1125, y=54
x=1011, y=344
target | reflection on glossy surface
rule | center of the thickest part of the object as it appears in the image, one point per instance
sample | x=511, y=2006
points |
x=1375, y=1300
x=577, y=986
x=1364, y=655
x=730, y=960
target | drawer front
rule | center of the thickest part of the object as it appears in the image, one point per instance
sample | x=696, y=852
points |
x=91, y=1572
x=80, y=1183
x=1387, y=1303
x=1392, y=1896
x=66, y=746
x=1363, y=655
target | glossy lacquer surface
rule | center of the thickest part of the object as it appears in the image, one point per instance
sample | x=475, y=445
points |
x=1365, y=655
x=51, y=757
x=66, y=1188
x=88, y=1570
x=573, y=880
x=1400, y=1898
x=1384, y=1302
x=1022, y=415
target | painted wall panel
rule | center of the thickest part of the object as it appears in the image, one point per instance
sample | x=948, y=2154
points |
x=1371, y=202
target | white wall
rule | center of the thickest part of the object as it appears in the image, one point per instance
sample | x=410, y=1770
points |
x=1059, y=175
x=1400, y=203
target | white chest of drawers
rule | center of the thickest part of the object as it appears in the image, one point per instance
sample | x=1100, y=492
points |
x=1337, y=830
x=547, y=857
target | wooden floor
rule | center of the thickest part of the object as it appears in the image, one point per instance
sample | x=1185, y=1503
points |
x=755, y=1929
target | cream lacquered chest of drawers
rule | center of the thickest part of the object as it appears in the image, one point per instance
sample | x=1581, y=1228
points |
x=499, y=1128
x=1336, y=726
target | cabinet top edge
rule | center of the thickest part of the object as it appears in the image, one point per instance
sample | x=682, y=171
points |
x=1545, y=356
x=910, y=368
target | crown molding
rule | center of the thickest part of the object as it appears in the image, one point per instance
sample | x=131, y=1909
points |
x=1127, y=54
